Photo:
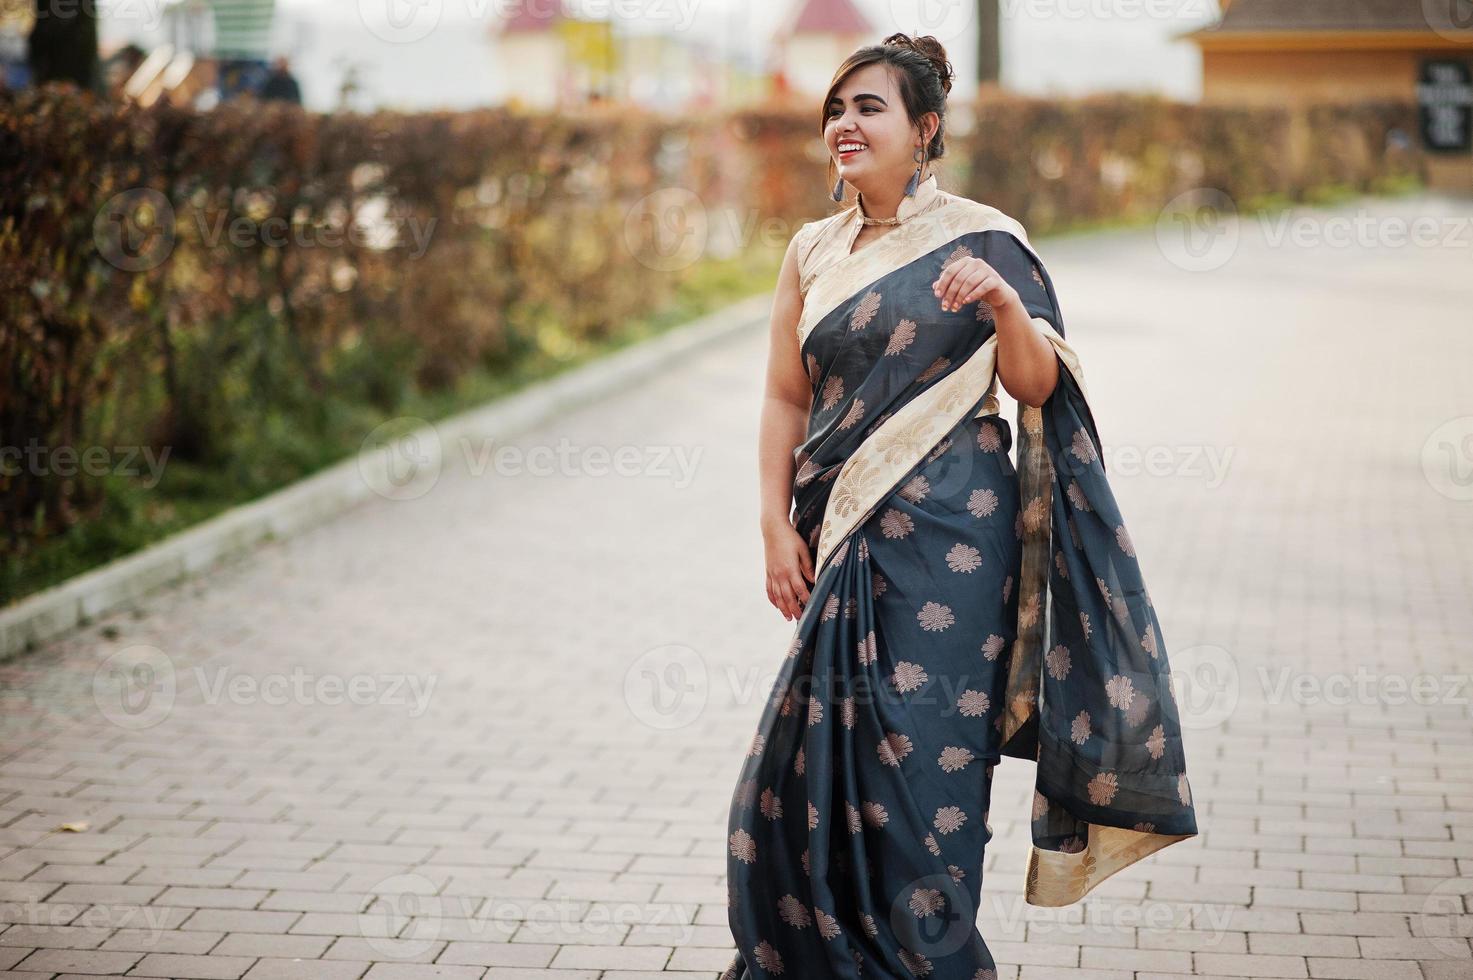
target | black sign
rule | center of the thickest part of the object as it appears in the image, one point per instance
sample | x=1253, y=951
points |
x=1445, y=102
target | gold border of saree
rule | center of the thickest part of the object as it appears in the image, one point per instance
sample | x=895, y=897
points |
x=875, y=469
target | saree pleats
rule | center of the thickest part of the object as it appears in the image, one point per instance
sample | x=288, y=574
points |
x=963, y=611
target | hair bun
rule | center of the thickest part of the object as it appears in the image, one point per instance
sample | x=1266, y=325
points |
x=932, y=50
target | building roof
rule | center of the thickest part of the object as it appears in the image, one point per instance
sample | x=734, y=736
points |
x=1321, y=15
x=826, y=17
x=533, y=15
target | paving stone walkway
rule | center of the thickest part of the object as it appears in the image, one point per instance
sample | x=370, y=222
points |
x=491, y=731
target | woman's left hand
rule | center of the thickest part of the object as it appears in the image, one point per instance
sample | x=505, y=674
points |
x=969, y=279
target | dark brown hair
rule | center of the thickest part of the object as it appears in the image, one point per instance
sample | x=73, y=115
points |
x=924, y=76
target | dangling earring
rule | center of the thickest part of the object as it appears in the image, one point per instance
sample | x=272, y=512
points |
x=919, y=156
x=839, y=189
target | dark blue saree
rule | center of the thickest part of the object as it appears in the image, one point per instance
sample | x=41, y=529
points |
x=963, y=610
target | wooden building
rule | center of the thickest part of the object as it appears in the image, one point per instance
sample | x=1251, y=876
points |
x=1283, y=52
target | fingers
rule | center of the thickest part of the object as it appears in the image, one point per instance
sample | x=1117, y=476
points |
x=788, y=577
x=790, y=595
x=958, y=280
x=789, y=604
x=953, y=297
x=980, y=289
x=799, y=588
x=947, y=275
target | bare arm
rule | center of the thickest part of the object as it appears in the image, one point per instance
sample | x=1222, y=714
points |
x=784, y=423
x=1026, y=362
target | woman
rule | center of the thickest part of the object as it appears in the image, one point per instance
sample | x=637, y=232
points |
x=857, y=827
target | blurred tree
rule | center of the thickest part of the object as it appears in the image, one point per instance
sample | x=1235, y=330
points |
x=63, y=44
x=989, y=42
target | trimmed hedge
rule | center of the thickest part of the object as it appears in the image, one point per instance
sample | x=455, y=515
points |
x=175, y=279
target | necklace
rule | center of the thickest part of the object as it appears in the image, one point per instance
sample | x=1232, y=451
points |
x=910, y=205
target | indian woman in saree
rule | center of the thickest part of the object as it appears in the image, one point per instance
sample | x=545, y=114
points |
x=962, y=608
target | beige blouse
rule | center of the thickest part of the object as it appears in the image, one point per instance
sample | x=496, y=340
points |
x=828, y=240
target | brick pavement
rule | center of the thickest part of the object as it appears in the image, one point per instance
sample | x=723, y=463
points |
x=491, y=731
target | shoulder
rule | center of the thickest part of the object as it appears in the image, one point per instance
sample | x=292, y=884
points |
x=965, y=215
x=810, y=233
x=808, y=246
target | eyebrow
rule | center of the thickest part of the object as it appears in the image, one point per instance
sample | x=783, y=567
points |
x=861, y=95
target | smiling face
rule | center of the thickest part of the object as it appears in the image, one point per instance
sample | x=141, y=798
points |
x=866, y=110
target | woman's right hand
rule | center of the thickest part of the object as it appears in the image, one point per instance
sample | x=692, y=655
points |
x=788, y=565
